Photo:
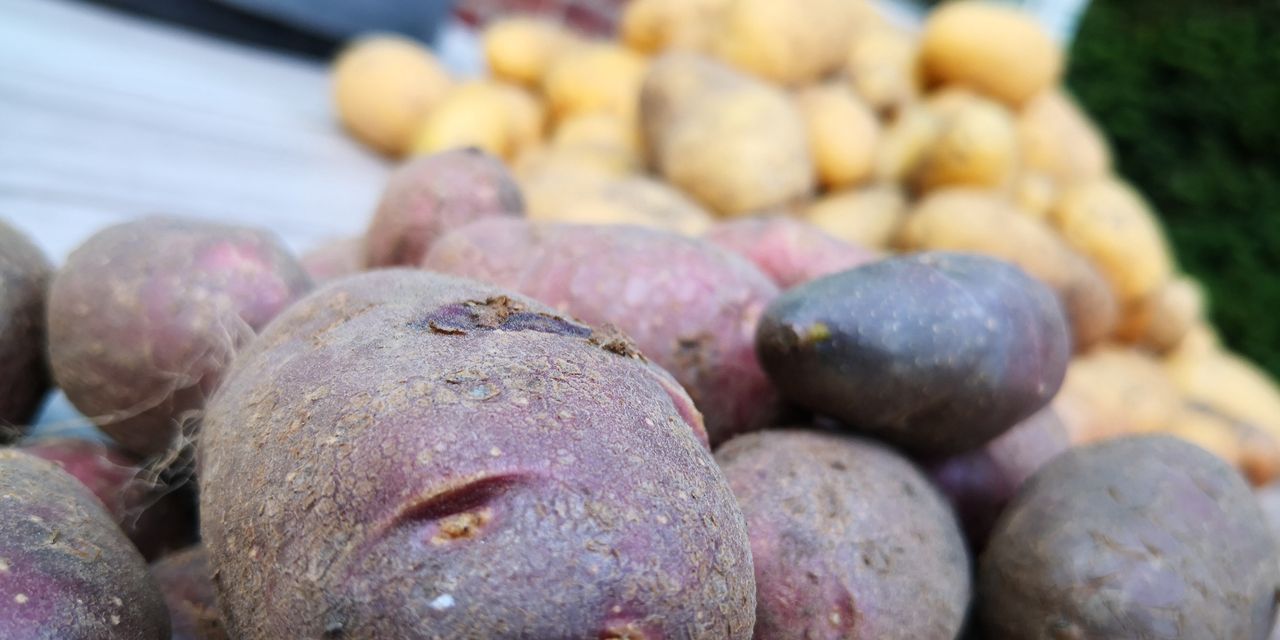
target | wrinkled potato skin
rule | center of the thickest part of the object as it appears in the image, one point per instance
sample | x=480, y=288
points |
x=827, y=516
x=334, y=259
x=521, y=49
x=383, y=86
x=145, y=316
x=787, y=250
x=432, y=195
x=69, y=574
x=404, y=451
x=24, y=375
x=186, y=580
x=934, y=352
x=1141, y=537
x=868, y=217
x=997, y=50
x=690, y=306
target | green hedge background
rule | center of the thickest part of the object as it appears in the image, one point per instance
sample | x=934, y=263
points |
x=1189, y=93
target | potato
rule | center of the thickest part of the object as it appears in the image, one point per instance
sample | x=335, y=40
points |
x=598, y=161
x=634, y=200
x=689, y=305
x=1057, y=139
x=789, y=43
x=598, y=78
x=156, y=512
x=24, y=376
x=526, y=118
x=843, y=134
x=445, y=448
x=1108, y=222
x=981, y=222
x=869, y=217
x=654, y=26
x=787, y=250
x=735, y=144
x=1034, y=194
x=383, y=86
x=520, y=49
x=1117, y=391
x=596, y=129
x=1160, y=321
x=904, y=143
x=882, y=66
x=981, y=482
x=848, y=538
x=996, y=50
x=186, y=580
x=1141, y=537
x=935, y=352
x=1231, y=385
x=145, y=316
x=975, y=144
x=69, y=574
x=1209, y=431
x=334, y=259
x=429, y=196
x=468, y=115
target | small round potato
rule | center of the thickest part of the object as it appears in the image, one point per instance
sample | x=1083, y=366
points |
x=789, y=43
x=991, y=48
x=384, y=86
x=24, y=375
x=468, y=115
x=654, y=26
x=843, y=134
x=975, y=145
x=521, y=49
x=867, y=217
x=1161, y=320
x=1057, y=139
x=883, y=68
x=596, y=78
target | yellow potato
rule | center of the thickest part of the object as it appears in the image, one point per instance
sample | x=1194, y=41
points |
x=521, y=49
x=1230, y=385
x=600, y=77
x=1058, y=139
x=883, y=67
x=526, y=118
x=789, y=42
x=1110, y=223
x=475, y=114
x=654, y=26
x=1034, y=194
x=976, y=221
x=1159, y=321
x=1112, y=391
x=1210, y=432
x=735, y=144
x=994, y=49
x=844, y=134
x=596, y=129
x=561, y=197
x=600, y=161
x=867, y=217
x=383, y=87
x=976, y=145
x=904, y=141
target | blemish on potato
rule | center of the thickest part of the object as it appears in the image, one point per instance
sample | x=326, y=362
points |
x=462, y=526
x=21, y=598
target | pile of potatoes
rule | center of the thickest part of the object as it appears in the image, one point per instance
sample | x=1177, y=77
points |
x=770, y=321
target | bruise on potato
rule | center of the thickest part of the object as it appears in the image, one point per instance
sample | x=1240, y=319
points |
x=404, y=454
x=789, y=251
x=24, y=376
x=66, y=571
x=934, y=352
x=1138, y=537
x=848, y=538
x=145, y=316
x=433, y=194
x=186, y=580
x=690, y=306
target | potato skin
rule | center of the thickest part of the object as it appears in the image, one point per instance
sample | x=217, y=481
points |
x=934, y=352
x=24, y=375
x=334, y=259
x=689, y=305
x=432, y=195
x=870, y=216
x=384, y=462
x=145, y=315
x=69, y=574
x=186, y=580
x=1000, y=51
x=1139, y=537
x=830, y=518
x=383, y=85
x=787, y=250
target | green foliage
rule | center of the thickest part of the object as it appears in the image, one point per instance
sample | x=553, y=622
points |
x=1189, y=93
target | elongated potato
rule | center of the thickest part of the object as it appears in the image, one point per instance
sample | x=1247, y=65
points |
x=521, y=49
x=788, y=43
x=991, y=48
x=654, y=26
x=384, y=86
x=1231, y=385
x=24, y=374
x=787, y=250
x=883, y=67
x=1115, y=391
x=633, y=200
x=843, y=134
x=1057, y=138
x=868, y=217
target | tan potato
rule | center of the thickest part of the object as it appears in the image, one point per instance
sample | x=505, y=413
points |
x=789, y=43
x=869, y=217
x=526, y=117
x=981, y=222
x=470, y=115
x=843, y=134
x=732, y=142
x=904, y=142
x=1035, y=194
x=1113, y=391
x=383, y=86
x=520, y=49
x=654, y=26
x=633, y=200
x=600, y=161
x=1210, y=432
x=596, y=129
x=599, y=77
x=1058, y=139
x=1159, y=321
x=997, y=50
x=1230, y=385
x=976, y=145
x=1110, y=223
x=883, y=67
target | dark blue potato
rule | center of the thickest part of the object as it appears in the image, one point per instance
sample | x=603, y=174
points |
x=935, y=352
x=1140, y=537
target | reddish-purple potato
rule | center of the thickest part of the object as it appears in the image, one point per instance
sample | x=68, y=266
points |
x=155, y=517
x=432, y=195
x=334, y=259
x=848, y=538
x=981, y=482
x=788, y=250
x=404, y=454
x=24, y=376
x=690, y=306
x=186, y=581
x=934, y=352
x=1137, y=537
x=66, y=570
x=145, y=315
